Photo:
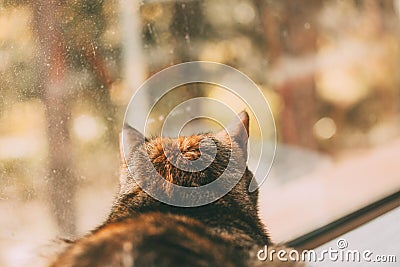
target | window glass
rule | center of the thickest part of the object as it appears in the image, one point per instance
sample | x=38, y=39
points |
x=328, y=68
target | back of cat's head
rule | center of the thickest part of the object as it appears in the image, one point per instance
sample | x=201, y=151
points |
x=190, y=160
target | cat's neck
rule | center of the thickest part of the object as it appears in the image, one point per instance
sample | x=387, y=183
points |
x=234, y=226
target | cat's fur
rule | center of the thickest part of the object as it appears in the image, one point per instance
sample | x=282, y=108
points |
x=141, y=231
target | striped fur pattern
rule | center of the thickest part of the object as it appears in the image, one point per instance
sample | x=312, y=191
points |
x=141, y=231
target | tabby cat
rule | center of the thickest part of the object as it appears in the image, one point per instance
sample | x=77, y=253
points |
x=142, y=231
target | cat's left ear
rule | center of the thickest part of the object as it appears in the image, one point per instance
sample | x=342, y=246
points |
x=129, y=138
x=238, y=130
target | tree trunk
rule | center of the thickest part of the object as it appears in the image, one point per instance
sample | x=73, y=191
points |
x=52, y=67
x=132, y=59
x=290, y=31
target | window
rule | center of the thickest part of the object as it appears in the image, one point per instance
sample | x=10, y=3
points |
x=328, y=68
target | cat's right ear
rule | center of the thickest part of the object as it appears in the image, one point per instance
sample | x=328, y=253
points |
x=239, y=130
x=129, y=138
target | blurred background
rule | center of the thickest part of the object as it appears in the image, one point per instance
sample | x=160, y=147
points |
x=329, y=69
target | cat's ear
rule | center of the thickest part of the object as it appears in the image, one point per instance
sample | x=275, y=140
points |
x=129, y=138
x=238, y=130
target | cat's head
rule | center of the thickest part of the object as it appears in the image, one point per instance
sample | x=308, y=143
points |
x=189, y=161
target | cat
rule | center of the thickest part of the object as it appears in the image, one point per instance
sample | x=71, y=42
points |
x=142, y=231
